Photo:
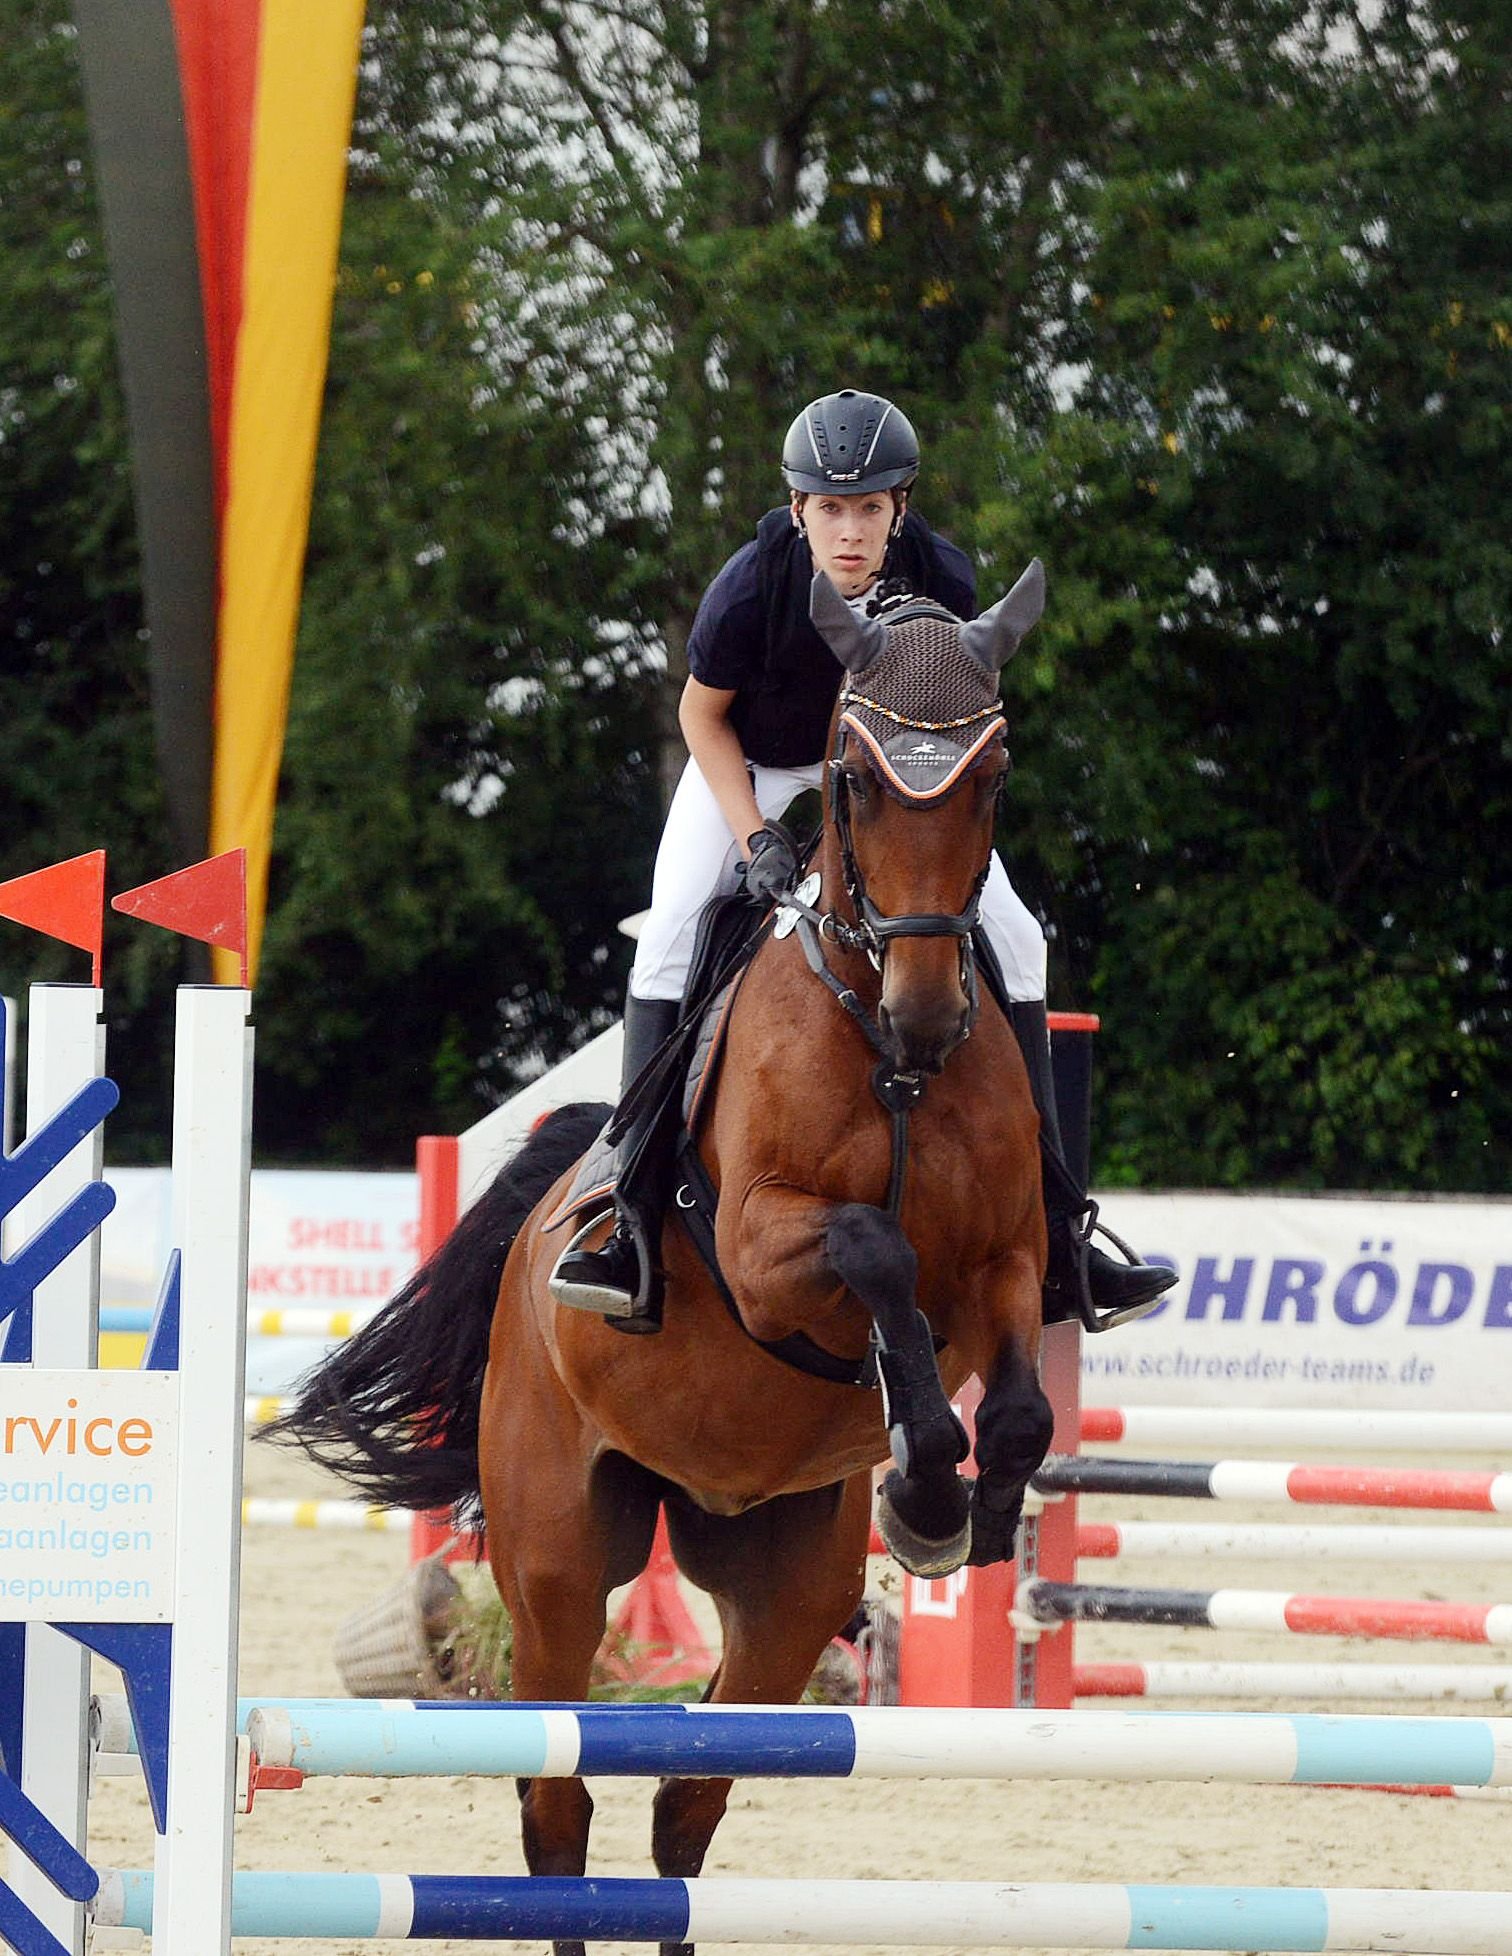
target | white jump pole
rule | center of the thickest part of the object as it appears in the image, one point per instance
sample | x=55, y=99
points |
x=1429, y=1433
x=65, y=1049
x=212, y=1143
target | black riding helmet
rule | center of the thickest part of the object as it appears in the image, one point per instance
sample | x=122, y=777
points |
x=850, y=444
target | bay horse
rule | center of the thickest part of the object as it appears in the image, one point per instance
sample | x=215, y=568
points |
x=873, y=1143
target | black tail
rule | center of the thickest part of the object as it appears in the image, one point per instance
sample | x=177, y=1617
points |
x=394, y=1409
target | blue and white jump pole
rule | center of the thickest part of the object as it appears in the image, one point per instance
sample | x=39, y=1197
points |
x=972, y=1915
x=881, y=1742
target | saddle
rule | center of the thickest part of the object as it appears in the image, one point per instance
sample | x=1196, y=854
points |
x=729, y=932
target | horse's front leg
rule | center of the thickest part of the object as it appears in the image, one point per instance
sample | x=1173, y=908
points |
x=786, y=1577
x=923, y=1510
x=797, y=1262
x=1000, y=1337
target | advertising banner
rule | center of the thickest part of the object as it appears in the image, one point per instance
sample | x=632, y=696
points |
x=135, y=1237
x=87, y=1495
x=1283, y=1300
x=1310, y=1301
x=340, y=1241
x=336, y=1240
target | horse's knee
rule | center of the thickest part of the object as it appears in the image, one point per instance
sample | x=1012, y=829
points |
x=684, y=1816
x=867, y=1250
x=555, y=1602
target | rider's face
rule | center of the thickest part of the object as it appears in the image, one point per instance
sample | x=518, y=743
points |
x=848, y=537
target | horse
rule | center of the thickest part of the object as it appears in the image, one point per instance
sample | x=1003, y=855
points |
x=874, y=1148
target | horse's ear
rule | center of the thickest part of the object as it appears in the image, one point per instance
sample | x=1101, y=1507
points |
x=993, y=638
x=854, y=641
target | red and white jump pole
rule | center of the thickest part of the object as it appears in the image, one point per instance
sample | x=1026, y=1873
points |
x=1296, y=1426
x=1285, y=1481
x=1052, y=1603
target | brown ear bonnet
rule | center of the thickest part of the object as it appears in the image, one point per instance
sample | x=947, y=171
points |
x=922, y=690
x=925, y=707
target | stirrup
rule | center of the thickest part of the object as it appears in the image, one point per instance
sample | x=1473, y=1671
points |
x=1108, y=1317
x=601, y=1298
x=636, y=1310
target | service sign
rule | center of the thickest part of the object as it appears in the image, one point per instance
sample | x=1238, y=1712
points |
x=88, y=1467
x=1314, y=1301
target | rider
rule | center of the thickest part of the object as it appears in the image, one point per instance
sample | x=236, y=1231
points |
x=755, y=713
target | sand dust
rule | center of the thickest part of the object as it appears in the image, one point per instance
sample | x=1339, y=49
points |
x=298, y=1585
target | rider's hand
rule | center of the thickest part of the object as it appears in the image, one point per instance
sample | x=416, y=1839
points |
x=773, y=867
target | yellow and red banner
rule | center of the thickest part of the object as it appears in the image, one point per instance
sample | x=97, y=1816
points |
x=221, y=130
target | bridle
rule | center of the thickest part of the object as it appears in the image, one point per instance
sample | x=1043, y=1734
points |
x=897, y=1088
x=875, y=930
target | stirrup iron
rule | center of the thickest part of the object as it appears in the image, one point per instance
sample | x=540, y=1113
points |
x=1107, y=1317
x=601, y=1301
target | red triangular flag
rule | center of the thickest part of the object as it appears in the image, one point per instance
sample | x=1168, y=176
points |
x=66, y=901
x=207, y=900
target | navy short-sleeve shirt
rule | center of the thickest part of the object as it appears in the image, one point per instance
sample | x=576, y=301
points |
x=752, y=634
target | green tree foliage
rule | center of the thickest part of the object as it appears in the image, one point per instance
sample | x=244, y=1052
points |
x=1274, y=824
x=1208, y=310
x=466, y=779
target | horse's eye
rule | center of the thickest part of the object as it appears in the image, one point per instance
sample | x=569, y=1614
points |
x=857, y=783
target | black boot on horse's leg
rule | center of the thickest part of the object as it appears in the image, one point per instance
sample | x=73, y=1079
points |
x=621, y=1279
x=923, y=1512
x=1081, y=1281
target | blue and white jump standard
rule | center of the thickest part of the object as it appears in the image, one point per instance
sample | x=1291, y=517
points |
x=978, y=1915
x=881, y=1742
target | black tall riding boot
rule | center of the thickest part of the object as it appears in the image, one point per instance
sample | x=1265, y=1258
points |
x=622, y=1280
x=1081, y=1281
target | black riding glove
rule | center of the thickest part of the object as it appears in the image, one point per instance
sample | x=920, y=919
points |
x=773, y=867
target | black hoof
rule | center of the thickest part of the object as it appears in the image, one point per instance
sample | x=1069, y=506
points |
x=932, y=1544
x=994, y=1531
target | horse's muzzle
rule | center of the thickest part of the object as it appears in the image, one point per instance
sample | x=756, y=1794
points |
x=921, y=1040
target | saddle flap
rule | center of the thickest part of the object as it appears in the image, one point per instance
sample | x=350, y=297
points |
x=729, y=930
x=703, y=1068
x=592, y=1186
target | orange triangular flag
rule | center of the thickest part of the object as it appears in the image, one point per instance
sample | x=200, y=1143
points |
x=66, y=901
x=207, y=900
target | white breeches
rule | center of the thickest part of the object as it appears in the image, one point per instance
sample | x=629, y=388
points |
x=697, y=859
